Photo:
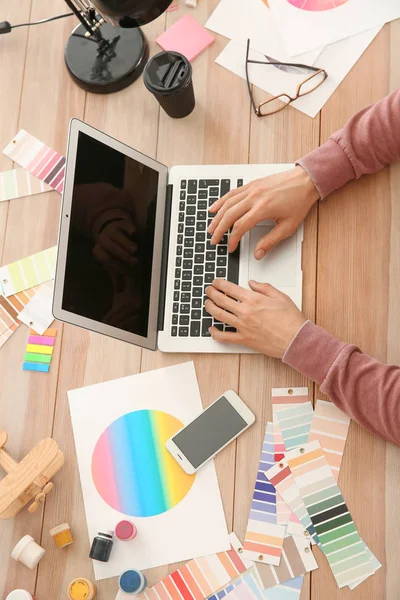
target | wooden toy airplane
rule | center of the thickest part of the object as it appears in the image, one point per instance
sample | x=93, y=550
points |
x=28, y=479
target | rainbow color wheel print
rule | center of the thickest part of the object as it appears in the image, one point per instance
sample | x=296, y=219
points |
x=315, y=5
x=133, y=471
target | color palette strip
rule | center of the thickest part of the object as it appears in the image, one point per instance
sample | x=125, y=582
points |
x=288, y=396
x=199, y=578
x=282, y=479
x=40, y=160
x=28, y=272
x=329, y=514
x=9, y=308
x=264, y=538
x=39, y=351
x=290, y=590
x=38, y=314
x=19, y=183
x=297, y=559
x=295, y=424
x=5, y=336
x=283, y=512
x=330, y=427
x=247, y=586
x=375, y=566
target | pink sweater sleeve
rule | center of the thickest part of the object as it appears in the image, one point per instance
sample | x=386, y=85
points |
x=366, y=144
x=367, y=390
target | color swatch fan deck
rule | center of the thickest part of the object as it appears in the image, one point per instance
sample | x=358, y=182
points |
x=120, y=429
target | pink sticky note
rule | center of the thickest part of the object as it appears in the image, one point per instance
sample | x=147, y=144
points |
x=186, y=36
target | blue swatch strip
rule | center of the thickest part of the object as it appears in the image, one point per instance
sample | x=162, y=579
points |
x=31, y=366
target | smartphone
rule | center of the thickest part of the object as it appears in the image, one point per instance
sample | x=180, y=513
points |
x=222, y=422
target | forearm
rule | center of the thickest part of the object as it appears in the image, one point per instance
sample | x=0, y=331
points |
x=367, y=390
x=367, y=143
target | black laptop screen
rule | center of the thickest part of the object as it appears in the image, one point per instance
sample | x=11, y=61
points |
x=111, y=235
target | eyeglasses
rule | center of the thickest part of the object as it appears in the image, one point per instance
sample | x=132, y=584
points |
x=278, y=103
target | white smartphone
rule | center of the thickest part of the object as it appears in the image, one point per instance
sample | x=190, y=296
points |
x=199, y=441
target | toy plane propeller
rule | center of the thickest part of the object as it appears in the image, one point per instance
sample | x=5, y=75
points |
x=30, y=478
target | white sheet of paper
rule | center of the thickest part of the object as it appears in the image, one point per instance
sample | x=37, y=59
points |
x=337, y=59
x=252, y=20
x=193, y=527
x=37, y=314
x=304, y=25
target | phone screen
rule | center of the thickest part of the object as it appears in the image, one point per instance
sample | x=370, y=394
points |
x=209, y=432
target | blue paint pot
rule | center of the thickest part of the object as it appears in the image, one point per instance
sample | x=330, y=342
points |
x=132, y=582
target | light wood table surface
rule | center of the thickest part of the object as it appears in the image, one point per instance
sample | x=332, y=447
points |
x=351, y=285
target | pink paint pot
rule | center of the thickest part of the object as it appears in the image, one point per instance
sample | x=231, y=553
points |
x=125, y=531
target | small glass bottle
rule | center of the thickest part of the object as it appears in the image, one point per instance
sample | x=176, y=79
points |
x=102, y=546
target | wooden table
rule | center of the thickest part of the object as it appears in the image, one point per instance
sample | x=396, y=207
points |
x=351, y=285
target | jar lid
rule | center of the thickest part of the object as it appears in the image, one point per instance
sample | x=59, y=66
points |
x=125, y=530
x=107, y=534
x=59, y=529
x=20, y=547
x=19, y=595
x=81, y=589
x=131, y=581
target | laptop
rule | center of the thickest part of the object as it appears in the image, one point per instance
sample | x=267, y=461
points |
x=134, y=256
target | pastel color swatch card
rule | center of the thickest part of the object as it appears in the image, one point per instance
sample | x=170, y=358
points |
x=289, y=590
x=38, y=312
x=28, y=272
x=283, y=512
x=5, y=336
x=330, y=427
x=9, y=309
x=297, y=559
x=284, y=396
x=282, y=479
x=40, y=160
x=127, y=473
x=295, y=424
x=264, y=538
x=249, y=579
x=339, y=539
x=198, y=578
x=18, y=183
x=186, y=36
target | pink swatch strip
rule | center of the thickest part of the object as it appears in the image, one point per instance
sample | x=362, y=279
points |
x=41, y=340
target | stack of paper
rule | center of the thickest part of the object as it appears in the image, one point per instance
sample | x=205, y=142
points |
x=329, y=34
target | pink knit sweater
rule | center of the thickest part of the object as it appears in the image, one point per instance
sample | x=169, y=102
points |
x=367, y=390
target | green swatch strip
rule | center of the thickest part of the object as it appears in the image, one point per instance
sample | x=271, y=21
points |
x=38, y=358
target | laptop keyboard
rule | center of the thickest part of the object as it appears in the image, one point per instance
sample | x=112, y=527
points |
x=197, y=262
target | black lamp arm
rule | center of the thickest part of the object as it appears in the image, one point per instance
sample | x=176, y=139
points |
x=86, y=13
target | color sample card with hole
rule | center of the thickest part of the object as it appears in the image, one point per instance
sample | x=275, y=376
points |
x=127, y=472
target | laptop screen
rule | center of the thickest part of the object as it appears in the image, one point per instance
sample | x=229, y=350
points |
x=109, y=257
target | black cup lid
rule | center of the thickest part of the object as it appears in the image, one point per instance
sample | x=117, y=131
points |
x=167, y=72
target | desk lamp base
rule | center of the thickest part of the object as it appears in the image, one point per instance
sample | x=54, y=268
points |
x=108, y=64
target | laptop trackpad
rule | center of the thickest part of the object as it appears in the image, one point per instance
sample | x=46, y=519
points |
x=278, y=267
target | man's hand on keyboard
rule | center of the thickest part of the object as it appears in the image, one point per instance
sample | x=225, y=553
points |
x=284, y=198
x=265, y=319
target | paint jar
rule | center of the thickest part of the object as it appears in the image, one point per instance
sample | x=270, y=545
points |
x=132, y=582
x=125, y=531
x=81, y=589
x=28, y=552
x=102, y=546
x=20, y=595
x=62, y=535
